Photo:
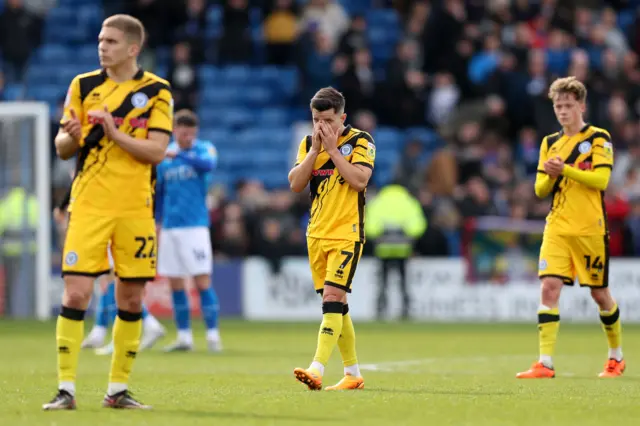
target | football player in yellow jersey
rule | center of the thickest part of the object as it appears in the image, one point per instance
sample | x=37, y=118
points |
x=337, y=162
x=117, y=122
x=575, y=167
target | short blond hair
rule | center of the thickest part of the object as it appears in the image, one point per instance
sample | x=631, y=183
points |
x=130, y=26
x=570, y=85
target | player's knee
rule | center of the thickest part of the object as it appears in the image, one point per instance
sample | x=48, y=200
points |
x=129, y=296
x=77, y=292
x=176, y=284
x=550, y=291
x=333, y=294
x=202, y=282
x=602, y=297
x=76, y=298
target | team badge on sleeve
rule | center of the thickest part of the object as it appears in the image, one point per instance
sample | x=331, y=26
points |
x=346, y=149
x=608, y=148
x=371, y=151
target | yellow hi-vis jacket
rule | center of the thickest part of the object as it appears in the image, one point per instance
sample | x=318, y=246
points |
x=12, y=218
x=394, y=220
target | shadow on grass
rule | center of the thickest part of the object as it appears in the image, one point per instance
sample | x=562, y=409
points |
x=236, y=415
x=440, y=392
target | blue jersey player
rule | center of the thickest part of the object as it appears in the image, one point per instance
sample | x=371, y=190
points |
x=185, y=244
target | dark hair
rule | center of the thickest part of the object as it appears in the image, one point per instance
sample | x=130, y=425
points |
x=328, y=98
x=186, y=118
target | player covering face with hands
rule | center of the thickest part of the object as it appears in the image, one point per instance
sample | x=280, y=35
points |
x=336, y=161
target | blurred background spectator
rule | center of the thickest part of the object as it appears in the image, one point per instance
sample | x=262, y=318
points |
x=454, y=93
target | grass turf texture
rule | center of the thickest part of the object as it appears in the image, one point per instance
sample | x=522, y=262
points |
x=415, y=374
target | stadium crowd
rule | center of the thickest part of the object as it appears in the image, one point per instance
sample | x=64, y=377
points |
x=475, y=71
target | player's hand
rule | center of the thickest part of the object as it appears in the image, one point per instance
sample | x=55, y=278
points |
x=329, y=138
x=105, y=119
x=554, y=167
x=315, y=138
x=59, y=216
x=73, y=126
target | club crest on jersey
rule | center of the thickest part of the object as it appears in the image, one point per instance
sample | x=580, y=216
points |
x=71, y=258
x=346, y=150
x=584, y=147
x=543, y=265
x=139, y=100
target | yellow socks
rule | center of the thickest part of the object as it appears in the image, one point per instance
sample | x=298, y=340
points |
x=347, y=344
x=69, y=334
x=126, y=340
x=612, y=327
x=548, y=326
x=329, y=333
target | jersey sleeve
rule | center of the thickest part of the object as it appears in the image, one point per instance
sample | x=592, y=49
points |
x=602, y=150
x=542, y=158
x=72, y=102
x=302, y=151
x=161, y=119
x=364, y=154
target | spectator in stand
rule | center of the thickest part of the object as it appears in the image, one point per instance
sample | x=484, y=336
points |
x=235, y=44
x=193, y=27
x=281, y=31
x=329, y=18
x=183, y=77
x=18, y=38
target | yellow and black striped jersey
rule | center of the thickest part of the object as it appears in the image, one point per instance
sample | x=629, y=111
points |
x=577, y=209
x=109, y=181
x=337, y=210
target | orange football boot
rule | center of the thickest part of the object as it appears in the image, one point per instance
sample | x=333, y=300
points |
x=310, y=377
x=537, y=371
x=613, y=368
x=348, y=382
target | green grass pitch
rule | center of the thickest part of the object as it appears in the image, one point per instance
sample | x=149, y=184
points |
x=415, y=374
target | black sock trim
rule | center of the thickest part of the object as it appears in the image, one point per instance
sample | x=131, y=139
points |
x=545, y=318
x=129, y=316
x=332, y=307
x=345, y=309
x=72, y=314
x=611, y=319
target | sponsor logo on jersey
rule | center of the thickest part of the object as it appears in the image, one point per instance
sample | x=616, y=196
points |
x=322, y=172
x=371, y=151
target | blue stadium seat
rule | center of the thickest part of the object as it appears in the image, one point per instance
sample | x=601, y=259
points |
x=13, y=92
x=382, y=177
x=258, y=96
x=388, y=18
x=236, y=74
x=46, y=93
x=387, y=158
x=54, y=54
x=215, y=135
x=275, y=180
x=427, y=136
x=386, y=137
x=87, y=54
x=273, y=117
x=208, y=74
x=218, y=96
x=236, y=117
x=235, y=160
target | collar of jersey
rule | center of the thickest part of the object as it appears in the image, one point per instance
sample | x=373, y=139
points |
x=347, y=129
x=138, y=75
x=584, y=129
